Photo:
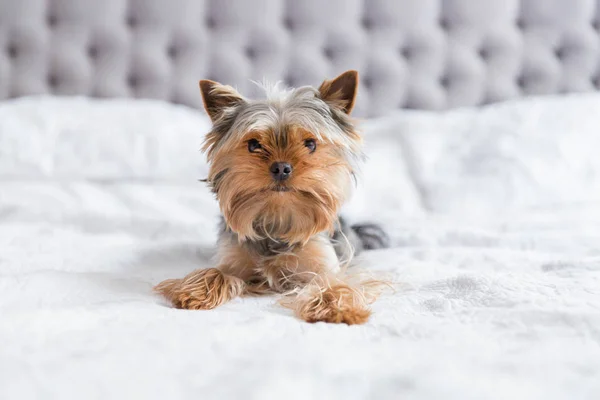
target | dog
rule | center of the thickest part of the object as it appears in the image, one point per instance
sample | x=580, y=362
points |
x=281, y=168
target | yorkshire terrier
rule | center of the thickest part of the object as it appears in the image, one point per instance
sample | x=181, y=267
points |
x=280, y=169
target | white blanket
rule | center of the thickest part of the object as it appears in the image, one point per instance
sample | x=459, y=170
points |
x=494, y=215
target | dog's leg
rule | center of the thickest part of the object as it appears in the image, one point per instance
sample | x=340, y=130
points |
x=289, y=270
x=331, y=300
x=205, y=289
x=315, y=288
x=202, y=289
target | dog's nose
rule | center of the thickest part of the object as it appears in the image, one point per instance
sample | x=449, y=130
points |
x=280, y=170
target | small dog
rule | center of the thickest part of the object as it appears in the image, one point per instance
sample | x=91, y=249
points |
x=280, y=169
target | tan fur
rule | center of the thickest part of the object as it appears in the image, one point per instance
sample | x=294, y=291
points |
x=341, y=91
x=317, y=187
x=314, y=290
x=237, y=261
x=335, y=298
x=217, y=97
x=203, y=289
x=288, y=271
x=307, y=271
x=337, y=304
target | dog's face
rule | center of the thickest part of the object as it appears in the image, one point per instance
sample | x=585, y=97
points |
x=282, y=167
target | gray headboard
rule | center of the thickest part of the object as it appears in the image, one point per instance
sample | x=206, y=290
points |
x=425, y=54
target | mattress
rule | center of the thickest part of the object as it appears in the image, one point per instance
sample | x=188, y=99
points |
x=494, y=215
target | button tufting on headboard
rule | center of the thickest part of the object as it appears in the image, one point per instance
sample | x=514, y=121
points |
x=52, y=20
x=427, y=54
x=12, y=51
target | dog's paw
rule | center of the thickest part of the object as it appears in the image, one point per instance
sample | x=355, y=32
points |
x=338, y=304
x=203, y=289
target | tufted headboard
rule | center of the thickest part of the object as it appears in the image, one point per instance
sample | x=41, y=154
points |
x=424, y=54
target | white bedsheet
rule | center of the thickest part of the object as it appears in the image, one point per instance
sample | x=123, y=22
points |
x=503, y=303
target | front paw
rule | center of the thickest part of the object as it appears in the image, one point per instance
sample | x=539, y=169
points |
x=203, y=289
x=338, y=304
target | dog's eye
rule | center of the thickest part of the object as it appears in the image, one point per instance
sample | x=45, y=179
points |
x=253, y=145
x=310, y=144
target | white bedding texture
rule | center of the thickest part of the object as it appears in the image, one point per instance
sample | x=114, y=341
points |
x=494, y=215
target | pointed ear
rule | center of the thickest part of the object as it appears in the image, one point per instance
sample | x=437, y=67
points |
x=341, y=91
x=218, y=97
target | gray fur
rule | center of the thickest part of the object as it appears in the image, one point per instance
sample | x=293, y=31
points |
x=282, y=108
x=371, y=236
x=263, y=247
x=352, y=240
x=300, y=107
x=347, y=240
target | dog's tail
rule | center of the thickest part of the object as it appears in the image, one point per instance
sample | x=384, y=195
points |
x=371, y=236
x=351, y=240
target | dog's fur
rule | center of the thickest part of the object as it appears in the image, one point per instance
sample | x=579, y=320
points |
x=284, y=236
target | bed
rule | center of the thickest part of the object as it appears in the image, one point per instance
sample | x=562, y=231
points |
x=493, y=206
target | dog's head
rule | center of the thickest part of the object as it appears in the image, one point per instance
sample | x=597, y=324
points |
x=282, y=167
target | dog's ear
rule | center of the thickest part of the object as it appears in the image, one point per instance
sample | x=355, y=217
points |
x=218, y=97
x=341, y=91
